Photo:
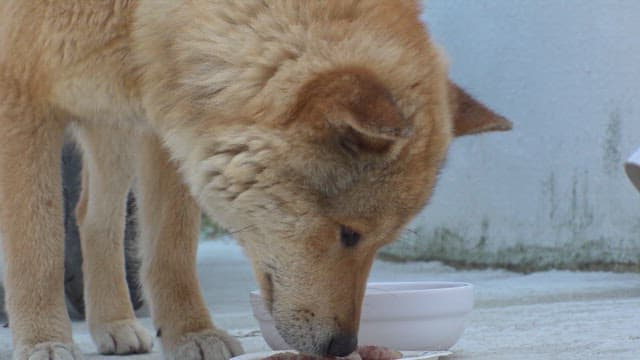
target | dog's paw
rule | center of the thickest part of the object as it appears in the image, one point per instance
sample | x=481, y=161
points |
x=121, y=337
x=205, y=345
x=48, y=351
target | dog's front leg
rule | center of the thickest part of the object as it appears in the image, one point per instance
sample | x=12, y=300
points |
x=107, y=176
x=170, y=221
x=31, y=224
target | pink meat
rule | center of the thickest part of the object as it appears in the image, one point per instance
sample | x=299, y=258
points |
x=378, y=353
x=363, y=353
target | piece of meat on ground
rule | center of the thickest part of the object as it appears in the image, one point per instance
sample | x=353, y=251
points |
x=291, y=356
x=378, y=353
x=363, y=353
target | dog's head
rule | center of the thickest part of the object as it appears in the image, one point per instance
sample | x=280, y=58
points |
x=335, y=160
x=313, y=200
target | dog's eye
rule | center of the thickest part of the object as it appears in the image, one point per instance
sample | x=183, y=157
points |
x=348, y=237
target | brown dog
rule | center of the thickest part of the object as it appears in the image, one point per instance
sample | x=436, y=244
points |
x=313, y=130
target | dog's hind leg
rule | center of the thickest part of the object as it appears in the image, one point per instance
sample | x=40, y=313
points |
x=31, y=139
x=169, y=222
x=108, y=174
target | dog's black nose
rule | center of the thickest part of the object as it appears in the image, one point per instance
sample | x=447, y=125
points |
x=342, y=345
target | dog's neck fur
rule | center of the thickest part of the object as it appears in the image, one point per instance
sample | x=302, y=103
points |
x=264, y=69
x=239, y=56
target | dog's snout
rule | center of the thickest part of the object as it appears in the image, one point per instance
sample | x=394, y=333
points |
x=342, y=345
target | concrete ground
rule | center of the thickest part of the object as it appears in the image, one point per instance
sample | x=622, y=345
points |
x=550, y=315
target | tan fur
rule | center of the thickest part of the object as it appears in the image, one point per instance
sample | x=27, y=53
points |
x=283, y=120
x=101, y=220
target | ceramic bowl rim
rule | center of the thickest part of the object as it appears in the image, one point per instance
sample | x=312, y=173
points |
x=445, y=286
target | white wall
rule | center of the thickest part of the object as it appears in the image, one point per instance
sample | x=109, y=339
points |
x=553, y=191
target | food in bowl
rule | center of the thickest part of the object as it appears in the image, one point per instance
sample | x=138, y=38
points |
x=414, y=316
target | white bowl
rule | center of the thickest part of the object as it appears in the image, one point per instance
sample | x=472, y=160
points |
x=405, y=316
x=632, y=167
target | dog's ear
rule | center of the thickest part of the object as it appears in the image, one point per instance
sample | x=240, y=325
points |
x=355, y=110
x=348, y=123
x=472, y=117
